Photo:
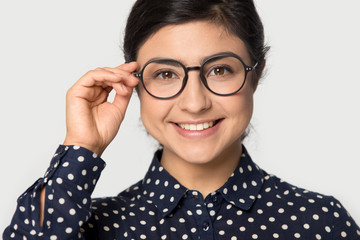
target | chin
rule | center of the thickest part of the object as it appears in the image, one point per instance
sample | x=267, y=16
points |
x=197, y=155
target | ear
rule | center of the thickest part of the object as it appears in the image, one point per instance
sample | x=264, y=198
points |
x=259, y=73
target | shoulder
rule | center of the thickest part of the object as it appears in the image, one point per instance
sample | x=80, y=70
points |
x=312, y=209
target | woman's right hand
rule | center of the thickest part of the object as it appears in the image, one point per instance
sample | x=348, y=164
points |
x=91, y=121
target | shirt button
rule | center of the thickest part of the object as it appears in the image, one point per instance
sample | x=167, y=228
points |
x=214, y=199
x=205, y=226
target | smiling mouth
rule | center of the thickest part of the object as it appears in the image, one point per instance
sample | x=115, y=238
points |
x=198, y=126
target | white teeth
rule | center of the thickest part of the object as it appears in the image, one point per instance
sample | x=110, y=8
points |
x=197, y=127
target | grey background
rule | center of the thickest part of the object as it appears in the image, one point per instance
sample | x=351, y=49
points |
x=306, y=120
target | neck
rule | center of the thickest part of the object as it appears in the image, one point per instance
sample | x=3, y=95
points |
x=206, y=177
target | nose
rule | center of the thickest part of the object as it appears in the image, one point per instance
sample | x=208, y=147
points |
x=195, y=97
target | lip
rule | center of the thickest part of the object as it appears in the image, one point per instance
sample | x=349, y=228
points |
x=200, y=133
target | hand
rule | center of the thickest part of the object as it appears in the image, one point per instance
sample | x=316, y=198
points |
x=91, y=121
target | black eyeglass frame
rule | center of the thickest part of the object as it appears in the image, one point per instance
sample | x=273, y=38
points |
x=200, y=68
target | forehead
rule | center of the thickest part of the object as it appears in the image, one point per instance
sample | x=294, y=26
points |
x=190, y=43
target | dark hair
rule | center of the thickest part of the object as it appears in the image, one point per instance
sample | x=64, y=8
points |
x=239, y=17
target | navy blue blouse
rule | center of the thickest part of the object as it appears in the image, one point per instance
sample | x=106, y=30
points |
x=251, y=205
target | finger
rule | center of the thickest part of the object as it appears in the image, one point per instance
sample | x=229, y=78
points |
x=121, y=101
x=131, y=67
x=104, y=78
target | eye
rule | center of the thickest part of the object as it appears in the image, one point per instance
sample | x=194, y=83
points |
x=166, y=75
x=219, y=71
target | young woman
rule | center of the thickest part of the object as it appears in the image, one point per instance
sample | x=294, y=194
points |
x=195, y=65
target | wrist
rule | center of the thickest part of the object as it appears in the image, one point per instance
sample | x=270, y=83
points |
x=93, y=148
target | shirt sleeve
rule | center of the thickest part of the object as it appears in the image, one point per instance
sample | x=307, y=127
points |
x=69, y=183
x=344, y=226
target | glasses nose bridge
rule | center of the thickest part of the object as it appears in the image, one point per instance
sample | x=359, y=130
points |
x=193, y=68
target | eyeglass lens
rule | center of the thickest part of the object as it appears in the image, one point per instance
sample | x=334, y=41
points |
x=165, y=78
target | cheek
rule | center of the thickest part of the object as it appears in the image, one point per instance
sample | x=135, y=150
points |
x=240, y=108
x=153, y=113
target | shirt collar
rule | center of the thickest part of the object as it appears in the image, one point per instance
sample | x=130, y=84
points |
x=241, y=189
x=245, y=183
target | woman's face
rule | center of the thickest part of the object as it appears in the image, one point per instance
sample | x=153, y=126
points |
x=190, y=43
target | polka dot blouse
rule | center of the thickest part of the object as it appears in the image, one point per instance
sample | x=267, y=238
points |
x=250, y=205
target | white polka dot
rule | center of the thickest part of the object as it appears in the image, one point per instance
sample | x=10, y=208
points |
x=297, y=235
x=275, y=235
x=242, y=229
x=306, y=226
x=53, y=237
x=177, y=186
x=83, y=172
x=263, y=227
x=95, y=168
x=60, y=220
x=343, y=234
x=229, y=222
x=65, y=164
x=68, y=230
x=22, y=208
x=221, y=232
x=272, y=219
x=81, y=159
x=316, y=217
x=59, y=180
x=106, y=228
x=284, y=226
x=318, y=236
x=254, y=236
x=185, y=236
x=72, y=211
x=61, y=201
x=251, y=219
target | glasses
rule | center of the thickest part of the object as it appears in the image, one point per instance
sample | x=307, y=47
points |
x=222, y=74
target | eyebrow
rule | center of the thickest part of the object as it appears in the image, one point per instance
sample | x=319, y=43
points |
x=202, y=60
